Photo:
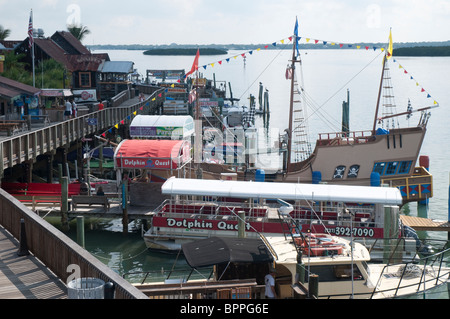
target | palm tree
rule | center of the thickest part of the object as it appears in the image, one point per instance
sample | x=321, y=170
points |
x=78, y=31
x=4, y=33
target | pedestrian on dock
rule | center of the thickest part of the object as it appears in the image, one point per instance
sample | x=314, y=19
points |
x=100, y=191
x=101, y=106
x=269, y=281
x=74, y=108
x=67, y=110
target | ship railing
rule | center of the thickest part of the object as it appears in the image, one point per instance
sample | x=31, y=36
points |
x=433, y=263
x=341, y=138
x=212, y=209
x=180, y=275
x=361, y=216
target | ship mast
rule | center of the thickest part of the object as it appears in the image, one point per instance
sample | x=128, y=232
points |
x=379, y=96
x=385, y=76
x=291, y=105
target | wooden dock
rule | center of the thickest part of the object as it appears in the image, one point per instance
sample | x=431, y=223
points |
x=115, y=211
x=25, y=277
x=425, y=224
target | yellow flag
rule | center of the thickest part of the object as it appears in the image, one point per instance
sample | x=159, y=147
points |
x=116, y=126
x=391, y=47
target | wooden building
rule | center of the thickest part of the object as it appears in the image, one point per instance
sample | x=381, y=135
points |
x=17, y=99
x=114, y=77
x=82, y=66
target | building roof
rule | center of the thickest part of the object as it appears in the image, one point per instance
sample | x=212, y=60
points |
x=10, y=88
x=117, y=67
x=64, y=48
x=8, y=93
x=69, y=43
x=84, y=62
x=53, y=50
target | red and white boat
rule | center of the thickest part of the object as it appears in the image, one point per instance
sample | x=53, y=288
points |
x=201, y=209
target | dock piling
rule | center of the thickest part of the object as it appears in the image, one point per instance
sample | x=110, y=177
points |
x=313, y=287
x=80, y=231
x=23, y=248
x=125, y=206
x=65, y=202
x=241, y=224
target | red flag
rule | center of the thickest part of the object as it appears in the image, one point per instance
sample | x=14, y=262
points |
x=195, y=64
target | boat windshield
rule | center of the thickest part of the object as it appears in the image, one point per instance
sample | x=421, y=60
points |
x=336, y=272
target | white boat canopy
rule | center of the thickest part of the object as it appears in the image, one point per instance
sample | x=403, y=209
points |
x=284, y=191
x=158, y=126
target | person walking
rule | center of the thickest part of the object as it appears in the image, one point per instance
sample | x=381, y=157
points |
x=269, y=281
x=74, y=108
x=67, y=110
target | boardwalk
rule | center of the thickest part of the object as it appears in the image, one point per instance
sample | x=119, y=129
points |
x=425, y=224
x=25, y=277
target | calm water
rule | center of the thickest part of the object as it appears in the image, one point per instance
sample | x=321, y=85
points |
x=327, y=75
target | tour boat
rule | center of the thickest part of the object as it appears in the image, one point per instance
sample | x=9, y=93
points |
x=316, y=266
x=344, y=269
x=199, y=209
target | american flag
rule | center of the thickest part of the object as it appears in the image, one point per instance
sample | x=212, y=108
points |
x=30, y=31
x=249, y=117
x=192, y=96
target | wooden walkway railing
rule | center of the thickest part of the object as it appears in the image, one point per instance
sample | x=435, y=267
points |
x=28, y=146
x=52, y=247
x=57, y=251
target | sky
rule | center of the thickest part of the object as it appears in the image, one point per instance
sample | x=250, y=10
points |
x=232, y=21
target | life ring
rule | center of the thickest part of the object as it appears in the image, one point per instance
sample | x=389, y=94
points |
x=319, y=245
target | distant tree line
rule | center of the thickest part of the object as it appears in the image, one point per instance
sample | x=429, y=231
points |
x=185, y=51
x=303, y=46
x=423, y=51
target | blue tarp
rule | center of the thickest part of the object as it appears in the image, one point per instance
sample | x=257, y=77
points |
x=381, y=131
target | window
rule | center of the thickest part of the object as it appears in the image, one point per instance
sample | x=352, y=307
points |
x=404, y=167
x=85, y=79
x=337, y=273
x=339, y=172
x=379, y=168
x=353, y=171
x=391, y=168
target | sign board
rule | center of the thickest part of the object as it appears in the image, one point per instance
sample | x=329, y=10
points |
x=199, y=82
x=81, y=96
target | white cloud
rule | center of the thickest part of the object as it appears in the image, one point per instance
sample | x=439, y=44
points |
x=234, y=21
